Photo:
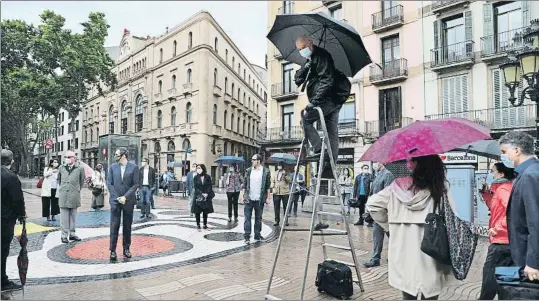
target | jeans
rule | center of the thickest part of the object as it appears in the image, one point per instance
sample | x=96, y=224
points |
x=8, y=229
x=233, y=203
x=498, y=255
x=406, y=296
x=332, y=125
x=295, y=199
x=277, y=199
x=146, y=199
x=345, y=199
x=378, y=241
x=258, y=206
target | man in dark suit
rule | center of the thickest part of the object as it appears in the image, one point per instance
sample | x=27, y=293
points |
x=122, y=181
x=362, y=190
x=523, y=207
x=147, y=184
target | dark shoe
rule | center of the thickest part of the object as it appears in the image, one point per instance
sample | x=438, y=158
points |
x=127, y=254
x=11, y=286
x=229, y=219
x=153, y=207
x=287, y=224
x=198, y=227
x=205, y=227
x=295, y=215
x=236, y=219
x=74, y=238
x=247, y=241
x=372, y=264
x=65, y=241
x=113, y=255
x=276, y=224
x=260, y=238
x=320, y=226
x=48, y=219
x=53, y=218
x=369, y=225
x=359, y=223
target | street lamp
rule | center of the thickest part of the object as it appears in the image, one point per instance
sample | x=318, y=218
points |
x=525, y=61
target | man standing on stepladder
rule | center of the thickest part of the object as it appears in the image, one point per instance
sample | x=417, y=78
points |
x=327, y=88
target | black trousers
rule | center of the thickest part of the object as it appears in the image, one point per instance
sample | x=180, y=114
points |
x=204, y=217
x=232, y=203
x=295, y=199
x=116, y=210
x=277, y=199
x=406, y=296
x=362, y=202
x=50, y=205
x=498, y=255
x=8, y=230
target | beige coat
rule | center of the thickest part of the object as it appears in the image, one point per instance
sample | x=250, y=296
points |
x=399, y=211
x=281, y=186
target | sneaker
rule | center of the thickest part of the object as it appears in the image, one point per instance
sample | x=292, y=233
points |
x=11, y=286
x=372, y=264
x=276, y=224
x=359, y=223
x=260, y=238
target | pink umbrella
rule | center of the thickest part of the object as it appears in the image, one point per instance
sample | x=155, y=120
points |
x=88, y=171
x=423, y=138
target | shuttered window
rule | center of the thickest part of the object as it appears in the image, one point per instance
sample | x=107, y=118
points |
x=455, y=95
x=505, y=115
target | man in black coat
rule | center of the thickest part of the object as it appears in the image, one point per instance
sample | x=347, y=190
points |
x=13, y=208
x=320, y=82
x=523, y=206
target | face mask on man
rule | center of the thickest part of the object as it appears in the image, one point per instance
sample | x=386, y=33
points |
x=306, y=52
x=68, y=161
x=376, y=167
x=117, y=158
x=505, y=160
x=199, y=171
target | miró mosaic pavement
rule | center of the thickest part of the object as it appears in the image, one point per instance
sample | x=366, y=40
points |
x=170, y=239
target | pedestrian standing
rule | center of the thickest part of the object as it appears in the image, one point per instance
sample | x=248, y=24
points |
x=147, y=183
x=345, y=180
x=523, y=207
x=234, y=182
x=362, y=189
x=257, y=191
x=499, y=254
x=98, y=188
x=383, y=179
x=203, y=195
x=298, y=191
x=70, y=182
x=13, y=208
x=190, y=186
x=401, y=209
x=49, y=200
x=281, y=191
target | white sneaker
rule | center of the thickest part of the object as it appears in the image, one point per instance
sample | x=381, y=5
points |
x=92, y=210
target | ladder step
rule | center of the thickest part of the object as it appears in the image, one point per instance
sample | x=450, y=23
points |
x=297, y=229
x=270, y=297
x=328, y=232
x=330, y=213
x=350, y=264
x=337, y=247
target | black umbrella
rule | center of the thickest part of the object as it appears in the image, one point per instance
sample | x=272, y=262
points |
x=338, y=38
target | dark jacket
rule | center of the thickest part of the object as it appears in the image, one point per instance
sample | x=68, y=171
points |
x=320, y=80
x=123, y=187
x=523, y=215
x=366, y=185
x=12, y=198
x=200, y=188
x=266, y=183
x=190, y=177
x=151, y=176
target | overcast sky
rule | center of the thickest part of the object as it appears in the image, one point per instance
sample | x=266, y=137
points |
x=244, y=21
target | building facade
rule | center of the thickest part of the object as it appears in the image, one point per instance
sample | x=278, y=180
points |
x=190, y=94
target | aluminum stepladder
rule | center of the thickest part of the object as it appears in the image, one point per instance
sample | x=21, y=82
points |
x=316, y=217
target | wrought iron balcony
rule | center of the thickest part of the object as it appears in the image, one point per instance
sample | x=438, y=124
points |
x=287, y=9
x=396, y=70
x=499, y=44
x=292, y=134
x=282, y=92
x=349, y=127
x=378, y=128
x=452, y=55
x=441, y=5
x=496, y=119
x=388, y=18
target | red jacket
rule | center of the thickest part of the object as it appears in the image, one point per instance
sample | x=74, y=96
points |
x=496, y=199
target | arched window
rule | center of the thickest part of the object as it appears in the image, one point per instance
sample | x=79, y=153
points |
x=171, y=146
x=226, y=85
x=238, y=125
x=244, y=123
x=233, y=62
x=124, y=117
x=249, y=129
x=215, y=77
x=249, y=102
x=161, y=55
x=244, y=73
x=249, y=79
x=111, y=120
x=173, y=116
x=232, y=122
x=139, y=114
x=215, y=44
x=257, y=109
x=186, y=144
x=190, y=40
x=214, y=114
x=213, y=146
x=232, y=91
x=244, y=98
x=173, y=85
x=239, y=68
x=160, y=87
x=226, y=56
x=253, y=131
x=188, y=113
x=174, y=47
x=157, y=147
x=189, y=76
x=225, y=117
x=97, y=134
x=239, y=94
x=91, y=135
x=225, y=149
x=159, y=119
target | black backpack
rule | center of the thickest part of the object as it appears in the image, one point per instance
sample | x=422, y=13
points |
x=341, y=88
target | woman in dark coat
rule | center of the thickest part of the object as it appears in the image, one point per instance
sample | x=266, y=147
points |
x=203, y=195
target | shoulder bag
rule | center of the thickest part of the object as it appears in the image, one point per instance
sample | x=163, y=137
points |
x=435, y=242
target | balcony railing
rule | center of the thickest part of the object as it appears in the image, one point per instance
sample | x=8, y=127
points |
x=279, y=135
x=391, y=71
x=349, y=127
x=445, y=4
x=452, y=54
x=388, y=18
x=287, y=9
x=502, y=42
x=280, y=91
x=497, y=119
x=378, y=128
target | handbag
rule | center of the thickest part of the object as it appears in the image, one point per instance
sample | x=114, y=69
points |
x=97, y=190
x=354, y=203
x=40, y=182
x=435, y=242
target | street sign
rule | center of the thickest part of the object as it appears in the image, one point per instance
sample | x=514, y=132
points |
x=48, y=144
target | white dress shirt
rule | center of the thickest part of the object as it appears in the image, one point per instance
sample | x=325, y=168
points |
x=122, y=170
x=145, y=173
x=255, y=183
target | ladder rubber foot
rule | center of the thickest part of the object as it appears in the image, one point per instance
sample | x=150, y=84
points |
x=270, y=297
x=350, y=264
x=337, y=247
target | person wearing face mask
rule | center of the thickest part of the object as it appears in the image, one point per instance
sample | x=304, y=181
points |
x=70, y=182
x=147, y=178
x=49, y=200
x=98, y=188
x=523, y=207
x=362, y=189
x=234, y=182
x=320, y=75
x=281, y=191
x=203, y=193
x=499, y=254
x=13, y=209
